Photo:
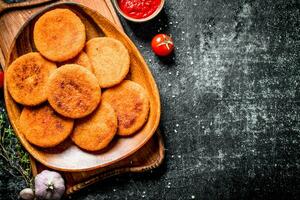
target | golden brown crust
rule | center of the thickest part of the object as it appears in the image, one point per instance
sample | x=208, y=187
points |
x=42, y=127
x=97, y=130
x=81, y=59
x=27, y=78
x=110, y=60
x=131, y=103
x=73, y=91
x=59, y=35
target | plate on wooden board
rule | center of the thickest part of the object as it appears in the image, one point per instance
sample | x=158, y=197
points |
x=67, y=156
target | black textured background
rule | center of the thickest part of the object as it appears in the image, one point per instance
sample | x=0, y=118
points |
x=230, y=97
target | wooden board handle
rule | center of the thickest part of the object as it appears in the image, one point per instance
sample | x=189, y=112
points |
x=4, y=6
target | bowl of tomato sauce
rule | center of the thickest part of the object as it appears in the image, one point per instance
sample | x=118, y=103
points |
x=139, y=10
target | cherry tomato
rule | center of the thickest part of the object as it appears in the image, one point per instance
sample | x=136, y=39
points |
x=1, y=79
x=162, y=45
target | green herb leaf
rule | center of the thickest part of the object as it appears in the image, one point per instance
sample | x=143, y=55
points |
x=14, y=157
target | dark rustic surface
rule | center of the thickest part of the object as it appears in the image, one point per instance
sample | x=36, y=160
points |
x=230, y=96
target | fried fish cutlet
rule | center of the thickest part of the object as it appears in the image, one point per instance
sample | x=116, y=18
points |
x=97, y=130
x=27, y=78
x=59, y=35
x=42, y=127
x=83, y=60
x=73, y=91
x=131, y=103
x=110, y=60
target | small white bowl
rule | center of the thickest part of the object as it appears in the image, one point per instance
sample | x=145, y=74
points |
x=162, y=2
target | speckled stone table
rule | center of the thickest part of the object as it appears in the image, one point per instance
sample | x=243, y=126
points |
x=231, y=102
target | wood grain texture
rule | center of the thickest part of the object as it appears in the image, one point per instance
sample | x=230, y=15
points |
x=6, y=6
x=148, y=157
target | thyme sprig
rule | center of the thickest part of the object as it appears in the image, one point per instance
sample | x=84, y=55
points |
x=12, y=152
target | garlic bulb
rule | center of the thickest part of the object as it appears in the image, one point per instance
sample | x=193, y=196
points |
x=27, y=194
x=49, y=185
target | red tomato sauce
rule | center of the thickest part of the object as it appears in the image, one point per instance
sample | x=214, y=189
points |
x=138, y=8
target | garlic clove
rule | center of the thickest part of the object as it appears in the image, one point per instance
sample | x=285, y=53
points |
x=27, y=194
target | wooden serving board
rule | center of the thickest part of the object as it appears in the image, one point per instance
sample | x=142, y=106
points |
x=148, y=157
